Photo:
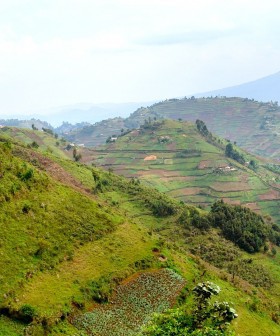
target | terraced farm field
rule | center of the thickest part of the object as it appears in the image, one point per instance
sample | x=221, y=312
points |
x=176, y=159
x=254, y=125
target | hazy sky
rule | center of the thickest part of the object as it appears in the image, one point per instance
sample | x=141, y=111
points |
x=60, y=52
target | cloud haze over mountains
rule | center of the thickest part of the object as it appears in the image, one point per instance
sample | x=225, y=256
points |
x=62, y=52
x=264, y=89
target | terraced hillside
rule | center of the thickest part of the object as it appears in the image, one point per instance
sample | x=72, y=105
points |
x=81, y=247
x=97, y=133
x=179, y=161
x=255, y=126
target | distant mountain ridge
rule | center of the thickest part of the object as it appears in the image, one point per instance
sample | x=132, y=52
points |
x=81, y=112
x=254, y=125
x=265, y=89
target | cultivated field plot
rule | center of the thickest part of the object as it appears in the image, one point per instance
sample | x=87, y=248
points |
x=132, y=304
x=238, y=119
x=176, y=159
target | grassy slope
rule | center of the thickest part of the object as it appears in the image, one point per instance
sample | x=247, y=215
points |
x=191, y=179
x=46, y=142
x=96, y=133
x=69, y=236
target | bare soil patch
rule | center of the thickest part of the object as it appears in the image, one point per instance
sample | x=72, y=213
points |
x=52, y=168
x=150, y=158
x=186, y=191
x=231, y=186
x=270, y=195
x=231, y=201
x=253, y=206
x=165, y=176
x=206, y=164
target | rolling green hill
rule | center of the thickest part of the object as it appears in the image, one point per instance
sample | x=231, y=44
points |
x=47, y=142
x=178, y=160
x=253, y=125
x=97, y=133
x=80, y=248
x=25, y=123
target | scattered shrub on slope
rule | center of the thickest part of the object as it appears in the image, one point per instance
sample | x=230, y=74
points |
x=241, y=225
x=205, y=319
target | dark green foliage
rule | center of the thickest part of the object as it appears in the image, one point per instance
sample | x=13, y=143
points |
x=234, y=154
x=253, y=165
x=98, y=290
x=26, y=175
x=273, y=167
x=202, y=128
x=101, y=181
x=160, y=204
x=225, y=255
x=188, y=216
x=205, y=319
x=26, y=313
x=215, y=250
x=248, y=270
x=201, y=222
x=48, y=130
x=151, y=125
x=143, y=264
x=26, y=207
x=34, y=144
x=188, y=153
x=240, y=225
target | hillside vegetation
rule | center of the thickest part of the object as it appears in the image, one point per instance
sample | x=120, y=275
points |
x=253, y=125
x=81, y=246
x=190, y=164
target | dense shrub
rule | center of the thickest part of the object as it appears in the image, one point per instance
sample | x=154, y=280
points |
x=98, y=290
x=27, y=313
x=205, y=319
x=240, y=225
x=234, y=154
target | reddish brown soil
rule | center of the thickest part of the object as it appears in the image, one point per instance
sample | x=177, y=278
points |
x=206, y=164
x=186, y=191
x=230, y=186
x=53, y=169
x=270, y=195
x=231, y=201
x=252, y=206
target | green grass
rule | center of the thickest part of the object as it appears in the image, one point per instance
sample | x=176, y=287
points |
x=60, y=237
x=9, y=327
x=52, y=292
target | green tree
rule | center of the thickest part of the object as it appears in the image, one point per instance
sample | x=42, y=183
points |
x=205, y=319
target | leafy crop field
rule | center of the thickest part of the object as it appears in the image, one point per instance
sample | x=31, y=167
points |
x=132, y=304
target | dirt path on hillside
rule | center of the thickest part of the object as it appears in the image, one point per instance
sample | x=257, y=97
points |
x=53, y=169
